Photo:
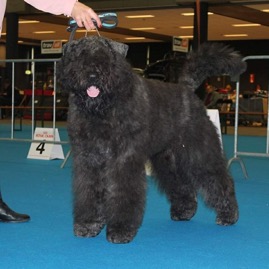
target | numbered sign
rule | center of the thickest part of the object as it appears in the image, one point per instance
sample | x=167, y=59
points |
x=46, y=151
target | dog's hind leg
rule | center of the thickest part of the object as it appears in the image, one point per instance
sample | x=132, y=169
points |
x=173, y=182
x=89, y=193
x=217, y=189
x=207, y=169
x=126, y=199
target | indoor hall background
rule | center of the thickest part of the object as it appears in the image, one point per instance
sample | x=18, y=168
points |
x=44, y=190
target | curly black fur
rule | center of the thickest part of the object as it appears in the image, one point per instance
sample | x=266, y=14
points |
x=133, y=119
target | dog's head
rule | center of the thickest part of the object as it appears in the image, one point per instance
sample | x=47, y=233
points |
x=91, y=69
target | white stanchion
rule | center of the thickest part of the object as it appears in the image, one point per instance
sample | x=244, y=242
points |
x=213, y=114
x=43, y=150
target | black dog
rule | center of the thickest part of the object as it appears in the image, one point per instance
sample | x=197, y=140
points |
x=118, y=120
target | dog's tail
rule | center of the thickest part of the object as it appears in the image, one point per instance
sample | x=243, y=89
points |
x=211, y=59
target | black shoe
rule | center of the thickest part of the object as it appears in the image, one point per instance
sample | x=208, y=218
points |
x=8, y=215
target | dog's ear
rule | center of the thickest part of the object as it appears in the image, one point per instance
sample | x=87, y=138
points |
x=116, y=46
x=120, y=48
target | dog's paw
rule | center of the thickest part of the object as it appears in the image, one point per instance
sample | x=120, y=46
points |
x=183, y=214
x=227, y=218
x=120, y=235
x=88, y=229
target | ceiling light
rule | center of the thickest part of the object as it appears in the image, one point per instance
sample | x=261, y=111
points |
x=186, y=27
x=143, y=28
x=28, y=21
x=235, y=35
x=85, y=31
x=192, y=13
x=188, y=14
x=44, y=32
x=265, y=10
x=135, y=38
x=246, y=24
x=186, y=36
x=139, y=16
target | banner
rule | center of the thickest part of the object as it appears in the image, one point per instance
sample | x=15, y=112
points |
x=180, y=44
x=51, y=46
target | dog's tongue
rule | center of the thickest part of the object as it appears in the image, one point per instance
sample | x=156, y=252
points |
x=93, y=91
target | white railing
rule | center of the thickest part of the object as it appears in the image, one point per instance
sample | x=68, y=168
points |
x=241, y=153
x=33, y=62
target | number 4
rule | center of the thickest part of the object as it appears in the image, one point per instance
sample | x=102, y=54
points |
x=40, y=147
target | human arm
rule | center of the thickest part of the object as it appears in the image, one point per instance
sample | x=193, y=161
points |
x=2, y=13
x=84, y=15
x=80, y=12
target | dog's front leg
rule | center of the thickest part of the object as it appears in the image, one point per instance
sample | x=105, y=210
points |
x=89, y=196
x=126, y=200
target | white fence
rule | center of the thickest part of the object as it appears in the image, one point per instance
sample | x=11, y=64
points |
x=237, y=153
x=33, y=62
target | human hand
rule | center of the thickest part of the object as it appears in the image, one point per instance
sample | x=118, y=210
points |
x=83, y=15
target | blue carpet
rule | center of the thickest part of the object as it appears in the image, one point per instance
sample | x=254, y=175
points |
x=43, y=190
